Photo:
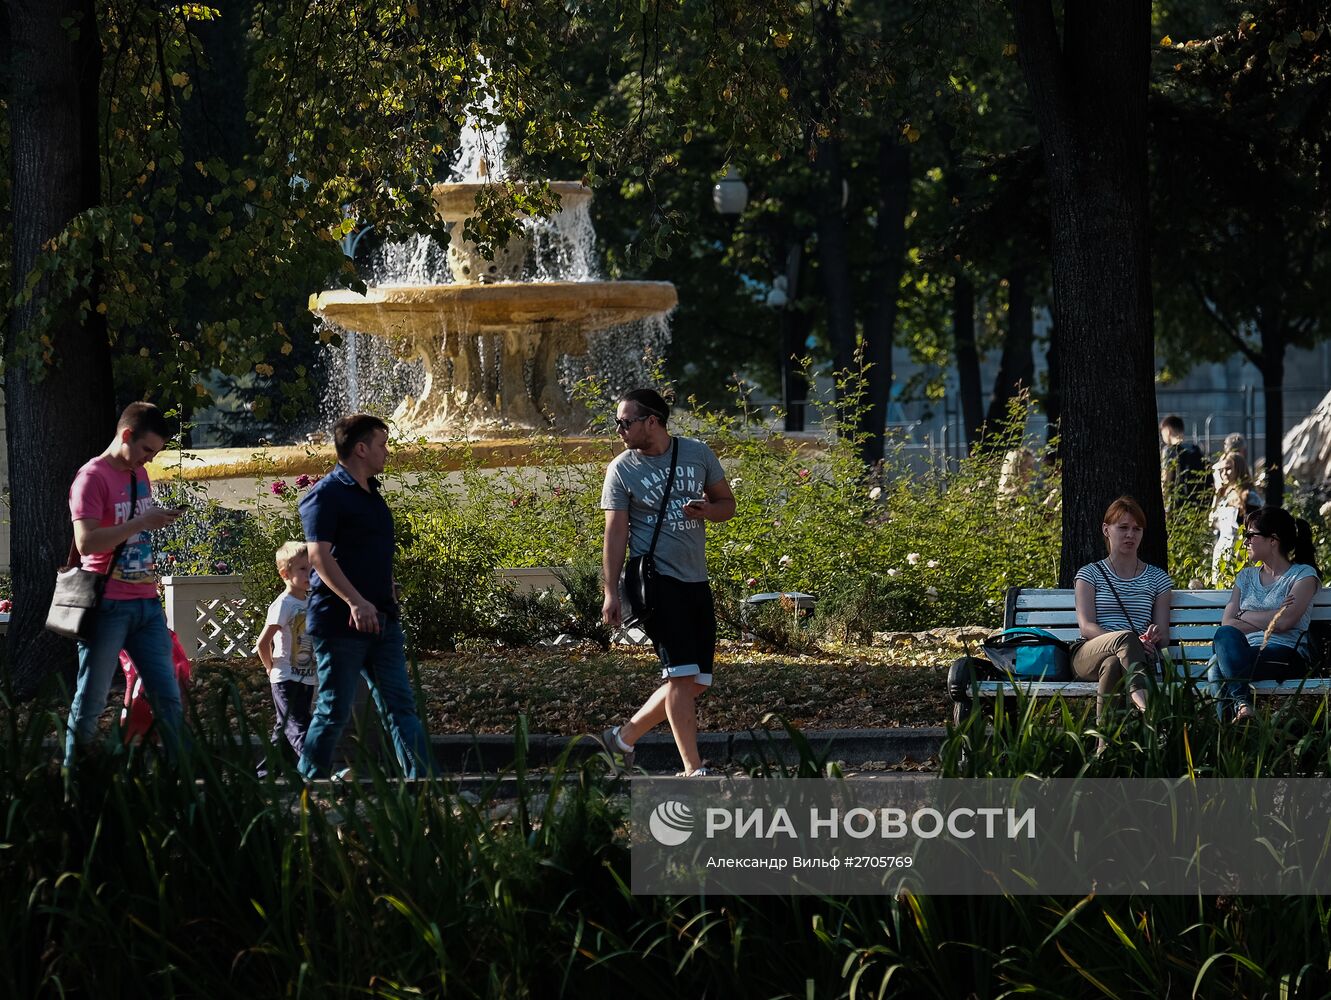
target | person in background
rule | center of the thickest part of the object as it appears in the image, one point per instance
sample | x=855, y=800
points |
x=1234, y=500
x=1182, y=466
x=1017, y=473
x=1263, y=634
x=1234, y=443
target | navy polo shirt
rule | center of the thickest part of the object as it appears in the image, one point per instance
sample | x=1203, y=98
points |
x=359, y=525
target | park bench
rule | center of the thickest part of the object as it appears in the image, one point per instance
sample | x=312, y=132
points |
x=1193, y=619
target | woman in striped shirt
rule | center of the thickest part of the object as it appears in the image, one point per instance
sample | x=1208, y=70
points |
x=1122, y=609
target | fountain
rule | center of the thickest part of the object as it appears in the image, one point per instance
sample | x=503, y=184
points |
x=492, y=345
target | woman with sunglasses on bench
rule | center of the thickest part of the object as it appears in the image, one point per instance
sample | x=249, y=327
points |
x=1263, y=634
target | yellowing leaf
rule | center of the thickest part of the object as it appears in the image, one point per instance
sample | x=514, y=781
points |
x=286, y=348
x=1166, y=42
x=250, y=184
x=146, y=247
x=179, y=79
x=785, y=93
x=199, y=390
x=781, y=40
x=101, y=308
x=911, y=133
x=136, y=219
x=1010, y=49
x=1308, y=36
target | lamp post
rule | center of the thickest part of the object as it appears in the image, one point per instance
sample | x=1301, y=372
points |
x=730, y=194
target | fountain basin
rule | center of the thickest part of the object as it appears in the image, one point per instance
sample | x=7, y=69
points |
x=412, y=311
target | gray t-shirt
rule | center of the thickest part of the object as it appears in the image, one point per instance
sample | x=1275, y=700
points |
x=1253, y=596
x=636, y=482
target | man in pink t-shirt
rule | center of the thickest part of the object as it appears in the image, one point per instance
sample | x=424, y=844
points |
x=111, y=505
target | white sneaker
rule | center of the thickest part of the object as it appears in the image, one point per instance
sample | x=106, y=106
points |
x=698, y=772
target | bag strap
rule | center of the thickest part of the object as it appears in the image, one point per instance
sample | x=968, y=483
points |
x=1121, y=606
x=670, y=482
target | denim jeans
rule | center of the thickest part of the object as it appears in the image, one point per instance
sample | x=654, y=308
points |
x=139, y=628
x=1236, y=663
x=339, y=662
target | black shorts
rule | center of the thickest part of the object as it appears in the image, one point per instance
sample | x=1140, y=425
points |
x=683, y=629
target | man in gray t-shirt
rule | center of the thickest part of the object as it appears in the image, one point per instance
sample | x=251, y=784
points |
x=683, y=627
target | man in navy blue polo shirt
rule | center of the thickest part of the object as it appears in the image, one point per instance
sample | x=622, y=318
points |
x=353, y=613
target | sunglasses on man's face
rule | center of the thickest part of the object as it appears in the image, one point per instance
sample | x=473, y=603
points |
x=624, y=423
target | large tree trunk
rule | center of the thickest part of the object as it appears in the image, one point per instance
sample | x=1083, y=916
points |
x=963, y=314
x=59, y=413
x=887, y=260
x=968, y=357
x=1273, y=400
x=1088, y=91
x=1016, y=369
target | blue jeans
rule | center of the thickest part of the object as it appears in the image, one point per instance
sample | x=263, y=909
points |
x=339, y=662
x=139, y=628
x=1236, y=663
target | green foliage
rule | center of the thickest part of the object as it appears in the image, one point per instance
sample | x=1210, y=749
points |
x=446, y=560
x=524, y=619
x=221, y=883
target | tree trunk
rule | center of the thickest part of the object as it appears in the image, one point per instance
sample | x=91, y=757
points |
x=968, y=357
x=1088, y=91
x=59, y=413
x=1273, y=404
x=1016, y=369
x=886, y=262
x=963, y=313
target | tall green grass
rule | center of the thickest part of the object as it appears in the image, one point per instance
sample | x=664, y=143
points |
x=138, y=878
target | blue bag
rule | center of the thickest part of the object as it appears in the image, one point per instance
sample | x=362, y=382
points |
x=1029, y=654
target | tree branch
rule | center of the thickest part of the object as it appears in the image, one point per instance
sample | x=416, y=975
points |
x=1225, y=327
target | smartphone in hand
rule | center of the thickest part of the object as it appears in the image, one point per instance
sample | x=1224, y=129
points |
x=693, y=508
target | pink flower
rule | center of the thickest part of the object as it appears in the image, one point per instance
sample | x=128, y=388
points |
x=751, y=582
x=221, y=567
x=6, y=607
x=278, y=487
x=302, y=481
x=803, y=473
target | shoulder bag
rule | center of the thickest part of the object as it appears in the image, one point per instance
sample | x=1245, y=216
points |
x=78, y=592
x=641, y=579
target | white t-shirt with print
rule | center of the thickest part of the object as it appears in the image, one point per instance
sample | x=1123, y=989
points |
x=293, y=649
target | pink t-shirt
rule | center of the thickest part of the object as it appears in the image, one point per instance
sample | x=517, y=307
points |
x=101, y=492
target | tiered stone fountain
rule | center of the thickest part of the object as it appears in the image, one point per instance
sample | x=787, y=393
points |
x=491, y=344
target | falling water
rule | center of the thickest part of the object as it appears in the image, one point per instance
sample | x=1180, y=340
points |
x=367, y=374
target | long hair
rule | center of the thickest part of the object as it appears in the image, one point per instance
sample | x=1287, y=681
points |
x=1294, y=534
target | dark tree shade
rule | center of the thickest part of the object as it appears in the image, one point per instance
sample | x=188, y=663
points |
x=1088, y=91
x=59, y=414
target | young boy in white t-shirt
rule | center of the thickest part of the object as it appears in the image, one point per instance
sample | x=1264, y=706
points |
x=286, y=650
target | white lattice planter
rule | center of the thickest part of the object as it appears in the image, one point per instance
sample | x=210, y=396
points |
x=207, y=613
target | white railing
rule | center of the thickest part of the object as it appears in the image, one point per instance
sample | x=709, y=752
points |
x=208, y=612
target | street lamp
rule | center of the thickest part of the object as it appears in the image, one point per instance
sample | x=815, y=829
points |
x=730, y=194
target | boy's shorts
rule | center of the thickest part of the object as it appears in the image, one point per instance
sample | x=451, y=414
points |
x=683, y=630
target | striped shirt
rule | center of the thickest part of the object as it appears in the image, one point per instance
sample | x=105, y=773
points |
x=1137, y=594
